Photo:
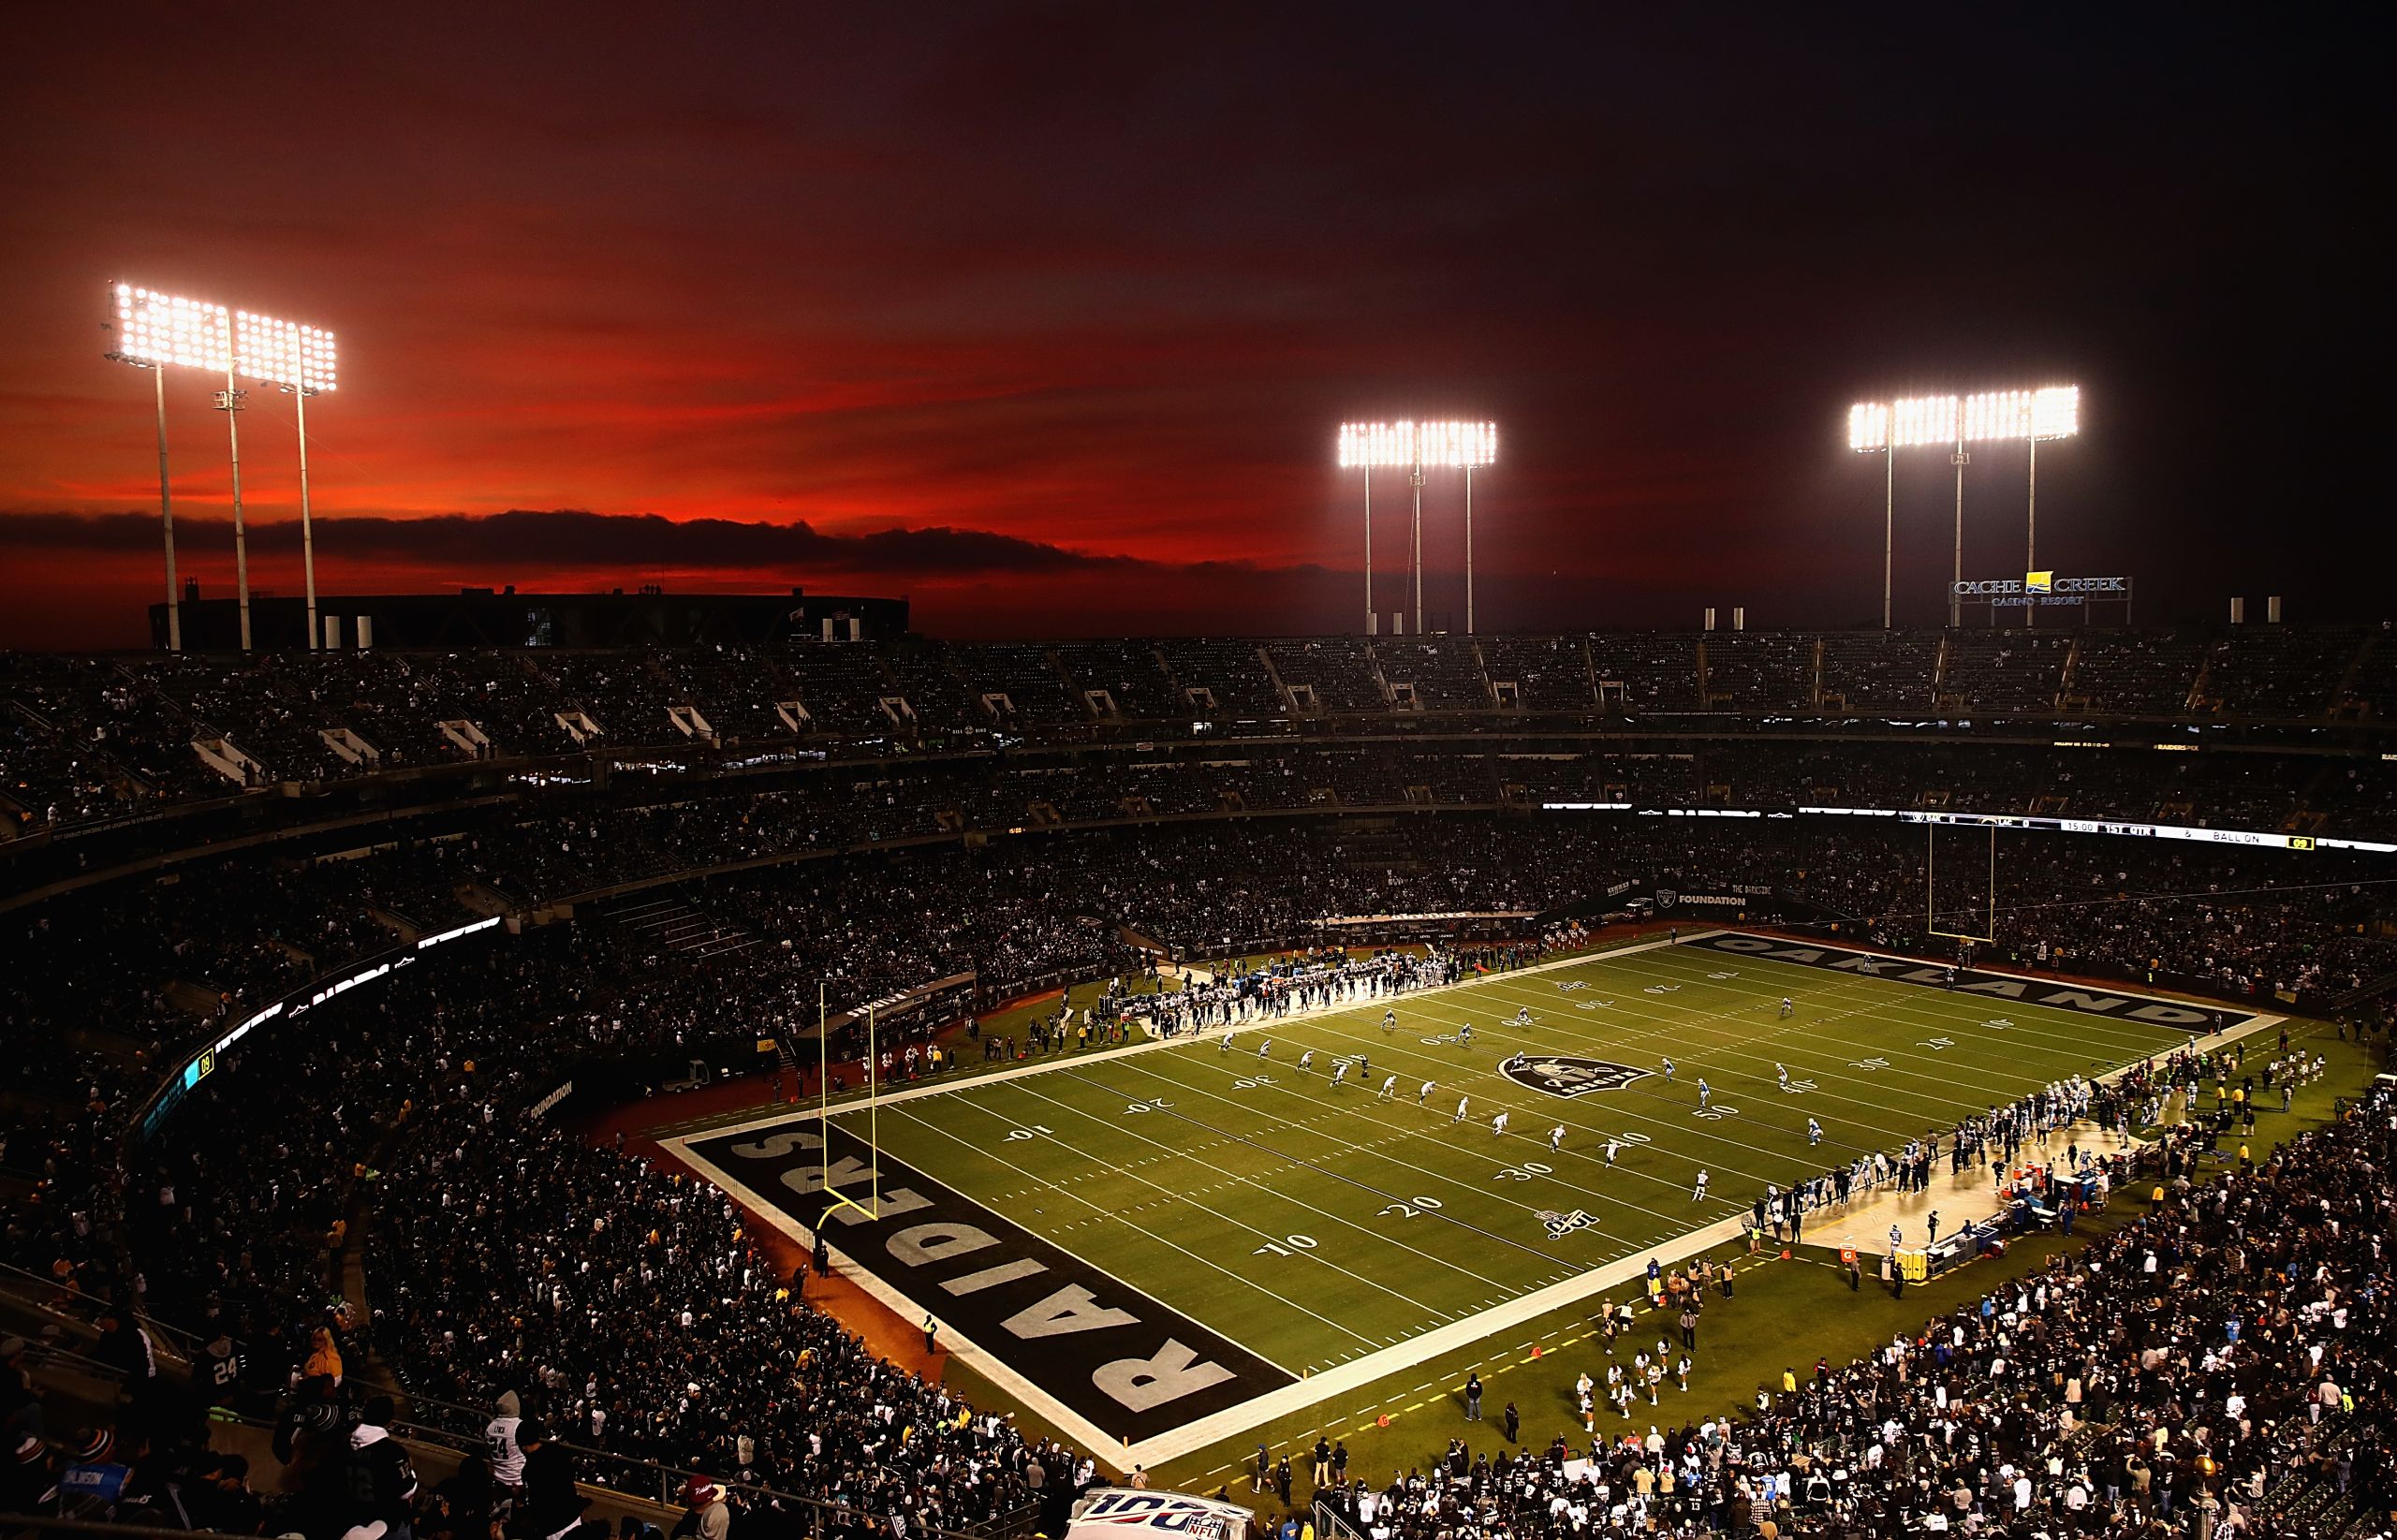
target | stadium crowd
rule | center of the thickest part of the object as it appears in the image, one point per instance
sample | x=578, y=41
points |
x=87, y=740
x=506, y=1259
x=162, y=966
x=2218, y=1366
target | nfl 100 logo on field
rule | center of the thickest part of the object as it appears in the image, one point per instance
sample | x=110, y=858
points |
x=1560, y=1224
x=1570, y=1075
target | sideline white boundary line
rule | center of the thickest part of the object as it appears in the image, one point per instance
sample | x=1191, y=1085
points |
x=1308, y=1392
x=1048, y=1063
x=1162, y=1447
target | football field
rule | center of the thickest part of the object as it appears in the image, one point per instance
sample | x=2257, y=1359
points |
x=1316, y=1224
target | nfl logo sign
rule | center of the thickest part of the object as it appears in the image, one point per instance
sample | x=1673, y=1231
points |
x=1570, y=1075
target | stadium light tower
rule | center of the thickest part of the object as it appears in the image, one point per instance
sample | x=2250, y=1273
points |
x=156, y=330
x=157, y=369
x=302, y=360
x=1414, y=445
x=1885, y=428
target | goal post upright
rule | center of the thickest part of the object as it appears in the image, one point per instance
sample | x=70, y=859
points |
x=834, y=1198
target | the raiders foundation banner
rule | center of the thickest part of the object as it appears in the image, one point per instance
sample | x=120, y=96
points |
x=2015, y=987
x=1125, y=1363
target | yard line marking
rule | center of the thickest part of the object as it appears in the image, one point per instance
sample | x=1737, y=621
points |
x=913, y=1117
x=1363, y=1229
x=1480, y=1077
x=1480, y=1192
x=1901, y=1009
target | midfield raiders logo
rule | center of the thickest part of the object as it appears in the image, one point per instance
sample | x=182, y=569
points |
x=1570, y=1075
x=1562, y=1224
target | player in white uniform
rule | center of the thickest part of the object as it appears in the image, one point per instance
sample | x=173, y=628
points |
x=1465, y=1035
x=1783, y=1073
x=1265, y=1048
x=1460, y=1106
x=1306, y=1061
x=1698, y=1193
x=1389, y=1088
x=1389, y=1021
x=1556, y=1139
x=1814, y=1131
x=1339, y=1072
x=1498, y=1124
x=1224, y=1044
x=1704, y=1093
x=1423, y=1096
x=1787, y=1008
x=1524, y=1017
x=1669, y=1071
x=1613, y=1144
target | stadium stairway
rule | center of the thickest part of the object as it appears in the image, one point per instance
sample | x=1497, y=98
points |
x=670, y=925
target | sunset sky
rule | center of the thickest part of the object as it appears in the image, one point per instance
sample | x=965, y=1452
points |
x=1045, y=315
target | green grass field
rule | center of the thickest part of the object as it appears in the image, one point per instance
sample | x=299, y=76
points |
x=1318, y=1226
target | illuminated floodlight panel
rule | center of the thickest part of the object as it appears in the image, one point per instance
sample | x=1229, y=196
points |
x=1453, y=445
x=1923, y=419
x=2053, y=412
x=154, y=328
x=284, y=352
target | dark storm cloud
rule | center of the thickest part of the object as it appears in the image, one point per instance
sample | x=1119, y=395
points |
x=1040, y=285
x=524, y=539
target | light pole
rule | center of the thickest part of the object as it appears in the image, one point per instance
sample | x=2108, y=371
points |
x=300, y=394
x=300, y=360
x=152, y=332
x=1888, y=529
x=166, y=500
x=1369, y=549
x=2031, y=521
x=228, y=400
x=1417, y=480
x=167, y=516
x=1886, y=427
x=1413, y=446
x=155, y=330
x=2053, y=415
x=1468, y=551
x=1955, y=600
